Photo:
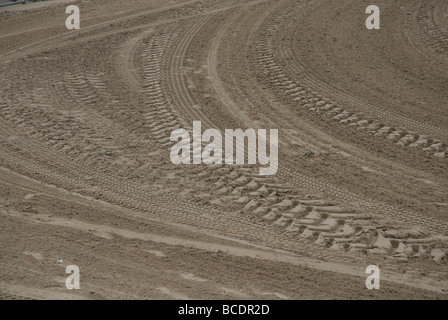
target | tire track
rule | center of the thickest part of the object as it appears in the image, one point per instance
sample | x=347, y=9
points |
x=303, y=94
x=270, y=211
x=425, y=29
x=268, y=200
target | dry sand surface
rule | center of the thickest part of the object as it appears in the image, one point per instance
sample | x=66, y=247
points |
x=86, y=177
